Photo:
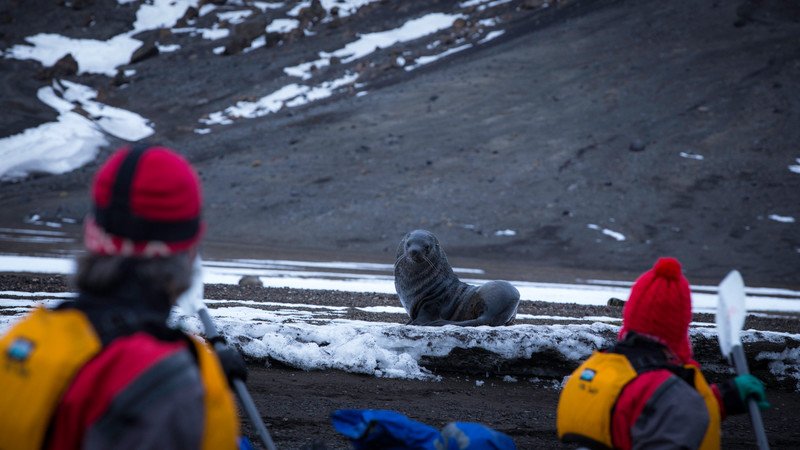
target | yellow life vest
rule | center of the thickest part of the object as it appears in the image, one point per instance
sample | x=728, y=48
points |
x=713, y=438
x=587, y=401
x=221, y=427
x=41, y=356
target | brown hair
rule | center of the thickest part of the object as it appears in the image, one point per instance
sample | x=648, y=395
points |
x=100, y=275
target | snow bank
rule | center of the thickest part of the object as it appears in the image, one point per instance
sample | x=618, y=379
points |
x=394, y=350
x=74, y=139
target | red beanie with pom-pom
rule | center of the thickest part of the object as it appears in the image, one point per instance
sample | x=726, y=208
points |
x=660, y=306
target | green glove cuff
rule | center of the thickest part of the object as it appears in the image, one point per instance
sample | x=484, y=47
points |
x=749, y=386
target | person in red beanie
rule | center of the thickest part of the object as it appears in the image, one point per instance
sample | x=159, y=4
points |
x=105, y=370
x=648, y=391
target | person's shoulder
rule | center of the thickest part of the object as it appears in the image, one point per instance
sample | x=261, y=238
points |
x=125, y=358
x=143, y=344
x=646, y=383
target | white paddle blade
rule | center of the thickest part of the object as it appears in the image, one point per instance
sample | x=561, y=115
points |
x=731, y=311
x=191, y=301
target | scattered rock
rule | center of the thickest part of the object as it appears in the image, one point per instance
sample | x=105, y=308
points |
x=148, y=49
x=532, y=4
x=120, y=78
x=613, y=301
x=637, y=145
x=244, y=33
x=313, y=13
x=251, y=281
x=6, y=18
x=78, y=4
x=191, y=13
x=273, y=39
x=65, y=66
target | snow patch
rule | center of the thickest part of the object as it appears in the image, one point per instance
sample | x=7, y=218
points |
x=492, y=35
x=235, y=17
x=72, y=141
x=795, y=168
x=383, y=309
x=482, y=4
x=160, y=14
x=102, y=57
x=264, y=6
x=291, y=95
x=782, y=219
x=168, y=48
x=505, y=233
x=212, y=34
x=92, y=56
x=369, y=43
x=616, y=235
x=282, y=25
x=394, y=350
x=346, y=7
x=783, y=365
x=423, y=60
x=688, y=155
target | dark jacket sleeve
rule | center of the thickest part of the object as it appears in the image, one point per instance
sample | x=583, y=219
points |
x=161, y=409
x=675, y=417
x=728, y=395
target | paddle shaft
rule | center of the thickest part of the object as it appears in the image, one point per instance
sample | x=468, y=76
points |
x=239, y=387
x=740, y=363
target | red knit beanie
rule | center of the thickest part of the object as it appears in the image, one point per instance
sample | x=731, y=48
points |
x=147, y=203
x=660, y=306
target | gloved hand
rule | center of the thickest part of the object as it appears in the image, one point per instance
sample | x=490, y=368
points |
x=749, y=386
x=232, y=362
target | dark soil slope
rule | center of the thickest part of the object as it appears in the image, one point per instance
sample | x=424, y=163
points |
x=576, y=116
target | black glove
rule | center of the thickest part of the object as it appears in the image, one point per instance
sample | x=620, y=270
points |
x=232, y=362
x=736, y=391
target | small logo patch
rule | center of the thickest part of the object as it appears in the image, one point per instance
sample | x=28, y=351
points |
x=20, y=349
x=587, y=375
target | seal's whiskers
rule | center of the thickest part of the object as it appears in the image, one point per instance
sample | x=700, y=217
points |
x=430, y=263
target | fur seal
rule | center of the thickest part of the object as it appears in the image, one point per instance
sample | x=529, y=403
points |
x=433, y=295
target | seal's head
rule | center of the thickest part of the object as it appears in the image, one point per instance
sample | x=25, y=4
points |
x=419, y=246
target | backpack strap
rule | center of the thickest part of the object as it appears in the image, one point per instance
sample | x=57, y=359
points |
x=646, y=355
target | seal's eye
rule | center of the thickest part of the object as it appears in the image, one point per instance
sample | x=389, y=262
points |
x=427, y=248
